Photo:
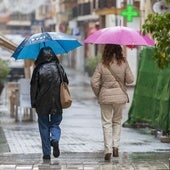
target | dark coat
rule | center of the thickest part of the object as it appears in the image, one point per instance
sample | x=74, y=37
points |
x=45, y=84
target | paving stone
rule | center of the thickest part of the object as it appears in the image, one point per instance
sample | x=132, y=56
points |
x=7, y=167
x=24, y=167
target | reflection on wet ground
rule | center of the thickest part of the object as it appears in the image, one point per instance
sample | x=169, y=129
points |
x=94, y=161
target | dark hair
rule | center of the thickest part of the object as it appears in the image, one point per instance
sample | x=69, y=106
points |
x=111, y=51
x=45, y=55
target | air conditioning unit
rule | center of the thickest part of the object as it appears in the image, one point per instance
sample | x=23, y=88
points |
x=160, y=6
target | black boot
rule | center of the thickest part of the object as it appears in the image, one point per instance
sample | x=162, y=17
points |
x=56, y=150
x=46, y=159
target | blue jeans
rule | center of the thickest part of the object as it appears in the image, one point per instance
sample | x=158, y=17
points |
x=49, y=130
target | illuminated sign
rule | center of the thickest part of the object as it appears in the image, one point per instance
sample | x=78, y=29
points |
x=129, y=13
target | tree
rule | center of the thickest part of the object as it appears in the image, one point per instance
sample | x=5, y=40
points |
x=158, y=26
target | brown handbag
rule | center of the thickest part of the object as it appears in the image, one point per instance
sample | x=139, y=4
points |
x=65, y=96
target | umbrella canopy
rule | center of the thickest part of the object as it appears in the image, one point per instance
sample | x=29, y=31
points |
x=59, y=42
x=119, y=35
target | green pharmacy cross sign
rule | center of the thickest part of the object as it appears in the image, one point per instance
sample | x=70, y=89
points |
x=129, y=13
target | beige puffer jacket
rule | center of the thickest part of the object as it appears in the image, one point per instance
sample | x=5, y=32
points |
x=105, y=86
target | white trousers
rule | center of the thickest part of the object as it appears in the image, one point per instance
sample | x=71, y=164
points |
x=111, y=115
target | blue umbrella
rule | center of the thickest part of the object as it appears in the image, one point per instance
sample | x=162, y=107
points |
x=60, y=43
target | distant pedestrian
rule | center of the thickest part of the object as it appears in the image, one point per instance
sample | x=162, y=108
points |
x=109, y=85
x=45, y=98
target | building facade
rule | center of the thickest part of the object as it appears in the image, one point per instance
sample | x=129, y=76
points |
x=79, y=18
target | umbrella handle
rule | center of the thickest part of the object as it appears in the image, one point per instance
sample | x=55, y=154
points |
x=42, y=30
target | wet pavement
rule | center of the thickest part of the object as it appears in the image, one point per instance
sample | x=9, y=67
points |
x=81, y=142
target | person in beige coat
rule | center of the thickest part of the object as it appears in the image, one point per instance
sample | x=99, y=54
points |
x=109, y=86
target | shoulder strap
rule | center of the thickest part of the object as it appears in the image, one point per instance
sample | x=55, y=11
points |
x=59, y=72
x=120, y=83
x=116, y=78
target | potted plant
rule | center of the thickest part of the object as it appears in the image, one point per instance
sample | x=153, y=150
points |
x=91, y=64
x=4, y=71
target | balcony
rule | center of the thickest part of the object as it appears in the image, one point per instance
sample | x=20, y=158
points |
x=102, y=4
x=82, y=9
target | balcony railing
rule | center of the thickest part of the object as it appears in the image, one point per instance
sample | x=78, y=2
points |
x=101, y=4
x=82, y=9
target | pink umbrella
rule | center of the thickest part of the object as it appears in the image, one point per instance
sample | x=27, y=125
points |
x=149, y=41
x=119, y=35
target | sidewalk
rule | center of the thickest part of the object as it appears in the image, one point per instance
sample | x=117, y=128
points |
x=81, y=142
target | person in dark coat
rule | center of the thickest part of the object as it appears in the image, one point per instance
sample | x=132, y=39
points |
x=45, y=98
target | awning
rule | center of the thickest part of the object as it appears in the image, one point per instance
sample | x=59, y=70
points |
x=4, y=42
